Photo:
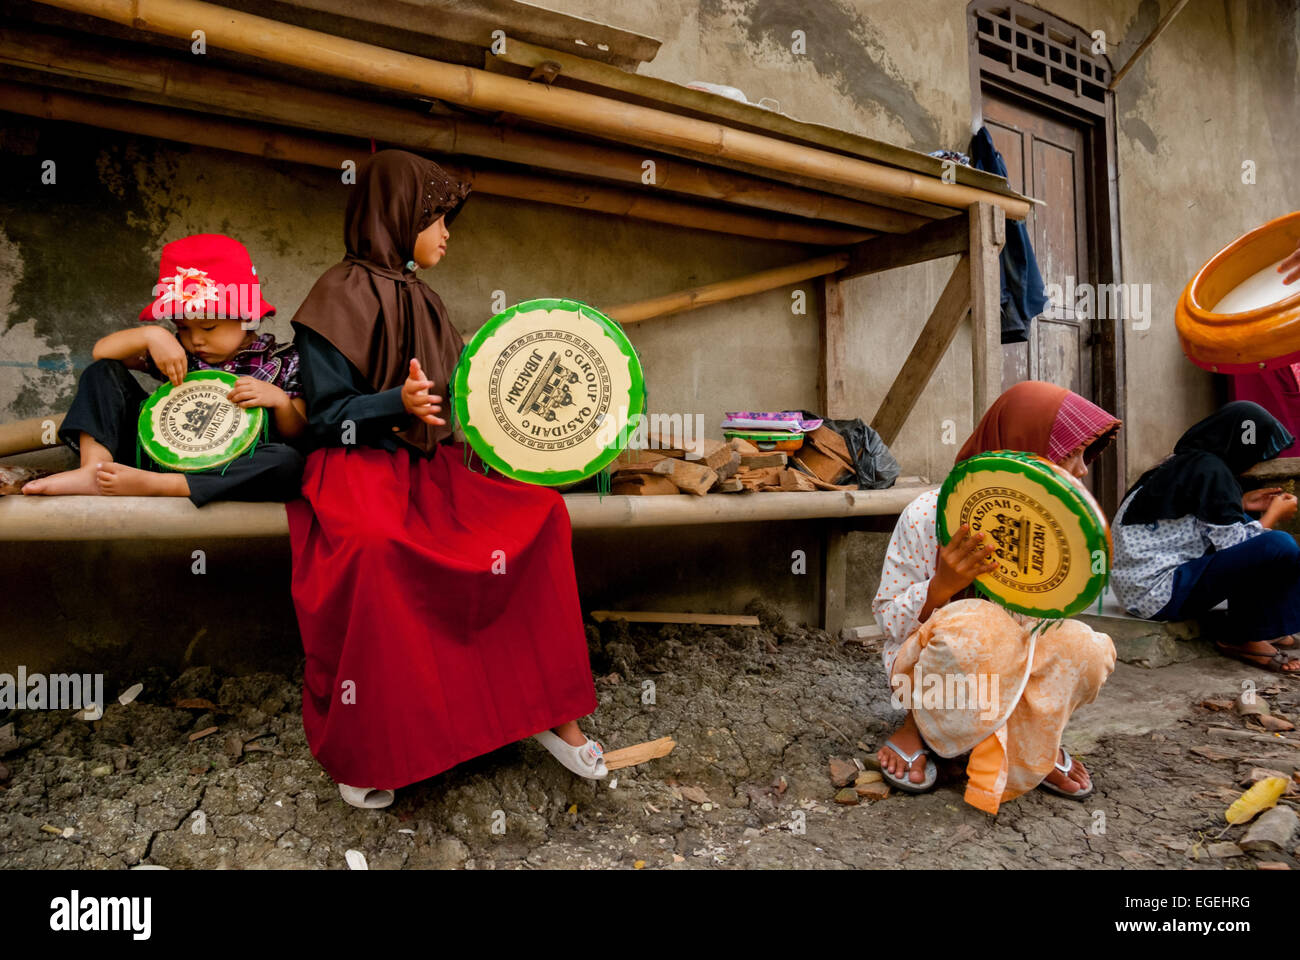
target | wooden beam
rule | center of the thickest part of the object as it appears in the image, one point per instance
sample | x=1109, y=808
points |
x=1142, y=48
x=651, y=616
x=935, y=338
x=831, y=377
x=284, y=43
x=188, y=127
x=939, y=238
x=834, y=576
x=161, y=80
x=988, y=234
x=724, y=290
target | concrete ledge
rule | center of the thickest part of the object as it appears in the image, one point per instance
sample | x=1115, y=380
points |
x=172, y=518
x=1152, y=643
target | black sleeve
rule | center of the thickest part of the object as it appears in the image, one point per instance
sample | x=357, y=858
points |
x=336, y=393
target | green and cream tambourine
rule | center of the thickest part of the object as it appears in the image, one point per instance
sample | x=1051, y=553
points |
x=1048, y=534
x=547, y=391
x=192, y=426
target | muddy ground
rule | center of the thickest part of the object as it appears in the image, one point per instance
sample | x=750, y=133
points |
x=757, y=713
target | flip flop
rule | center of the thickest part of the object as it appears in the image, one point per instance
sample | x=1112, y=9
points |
x=1272, y=664
x=366, y=798
x=586, y=760
x=906, y=785
x=1065, y=768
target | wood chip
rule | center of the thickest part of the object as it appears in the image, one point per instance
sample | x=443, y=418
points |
x=639, y=753
x=693, y=478
x=742, y=446
x=205, y=732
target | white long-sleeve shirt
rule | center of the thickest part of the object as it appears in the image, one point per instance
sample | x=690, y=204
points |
x=1148, y=554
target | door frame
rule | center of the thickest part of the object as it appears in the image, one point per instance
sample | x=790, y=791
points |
x=1097, y=121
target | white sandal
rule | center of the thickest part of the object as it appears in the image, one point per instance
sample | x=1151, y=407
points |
x=586, y=761
x=367, y=798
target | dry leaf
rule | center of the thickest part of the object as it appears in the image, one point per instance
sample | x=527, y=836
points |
x=1260, y=797
x=205, y=732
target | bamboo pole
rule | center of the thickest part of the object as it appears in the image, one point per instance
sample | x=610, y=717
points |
x=724, y=290
x=278, y=145
x=175, y=518
x=307, y=49
x=162, y=80
x=24, y=436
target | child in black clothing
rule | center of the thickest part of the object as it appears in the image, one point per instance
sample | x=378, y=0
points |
x=208, y=286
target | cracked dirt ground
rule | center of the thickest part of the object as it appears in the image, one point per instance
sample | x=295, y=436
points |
x=747, y=707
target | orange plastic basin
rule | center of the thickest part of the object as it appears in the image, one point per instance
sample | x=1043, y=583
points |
x=1264, y=331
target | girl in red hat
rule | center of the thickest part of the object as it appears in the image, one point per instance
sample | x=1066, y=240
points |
x=208, y=288
x=438, y=606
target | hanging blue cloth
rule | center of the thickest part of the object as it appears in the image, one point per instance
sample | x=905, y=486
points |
x=1023, y=297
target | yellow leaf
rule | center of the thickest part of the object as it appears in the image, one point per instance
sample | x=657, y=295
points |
x=573, y=808
x=638, y=865
x=1258, y=798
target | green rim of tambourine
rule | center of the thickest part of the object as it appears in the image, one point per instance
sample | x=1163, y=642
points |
x=1016, y=462
x=548, y=478
x=166, y=458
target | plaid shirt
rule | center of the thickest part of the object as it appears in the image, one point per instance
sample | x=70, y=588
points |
x=263, y=359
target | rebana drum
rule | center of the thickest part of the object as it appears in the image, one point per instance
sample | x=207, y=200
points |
x=1236, y=315
x=1048, y=534
x=547, y=391
x=192, y=426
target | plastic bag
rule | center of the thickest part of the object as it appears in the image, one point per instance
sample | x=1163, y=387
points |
x=875, y=465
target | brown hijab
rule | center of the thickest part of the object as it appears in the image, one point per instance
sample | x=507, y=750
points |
x=375, y=311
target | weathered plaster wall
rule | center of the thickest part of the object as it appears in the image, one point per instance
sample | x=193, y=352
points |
x=1219, y=87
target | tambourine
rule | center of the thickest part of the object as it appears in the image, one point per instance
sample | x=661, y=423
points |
x=1236, y=315
x=548, y=391
x=192, y=426
x=1048, y=535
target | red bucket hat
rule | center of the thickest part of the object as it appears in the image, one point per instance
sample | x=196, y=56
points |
x=207, y=275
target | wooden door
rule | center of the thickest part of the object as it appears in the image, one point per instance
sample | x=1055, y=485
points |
x=1046, y=159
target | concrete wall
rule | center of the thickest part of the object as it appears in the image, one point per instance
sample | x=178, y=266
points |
x=77, y=259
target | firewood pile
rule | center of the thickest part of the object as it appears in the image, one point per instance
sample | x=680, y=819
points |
x=735, y=466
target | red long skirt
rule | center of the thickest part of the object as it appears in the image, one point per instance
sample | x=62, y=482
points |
x=438, y=610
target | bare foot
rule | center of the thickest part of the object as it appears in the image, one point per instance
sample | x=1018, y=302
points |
x=908, y=738
x=69, y=483
x=571, y=734
x=1077, y=779
x=119, y=480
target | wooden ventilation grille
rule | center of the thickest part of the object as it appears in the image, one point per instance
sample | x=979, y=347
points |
x=1018, y=42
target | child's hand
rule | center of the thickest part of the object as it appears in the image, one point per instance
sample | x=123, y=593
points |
x=964, y=558
x=251, y=392
x=1280, y=511
x=168, y=354
x=416, y=398
x=1257, y=501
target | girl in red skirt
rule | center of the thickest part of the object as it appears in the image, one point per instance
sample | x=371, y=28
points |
x=438, y=606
